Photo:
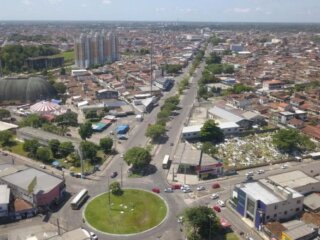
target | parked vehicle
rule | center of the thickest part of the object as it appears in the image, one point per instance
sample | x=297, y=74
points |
x=260, y=171
x=156, y=190
x=93, y=236
x=185, y=187
x=216, y=208
x=214, y=196
x=201, y=188
x=221, y=203
x=176, y=186
x=284, y=166
x=249, y=174
x=168, y=190
x=186, y=190
x=215, y=185
x=180, y=219
x=114, y=174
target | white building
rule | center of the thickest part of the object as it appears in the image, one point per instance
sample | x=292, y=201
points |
x=4, y=200
x=263, y=202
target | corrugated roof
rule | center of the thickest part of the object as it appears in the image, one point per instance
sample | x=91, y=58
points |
x=292, y=179
x=224, y=114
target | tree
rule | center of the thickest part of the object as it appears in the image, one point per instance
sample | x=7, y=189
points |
x=5, y=137
x=60, y=87
x=155, y=131
x=211, y=132
x=201, y=223
x=43, y=154
x=4, y=113
x=66, y=148
x=85, y=130
x=138, y=157
x=115, y=188
x=209, y=148
x=31, y=146
x=213, y=59
x=62, y=71
x=33, y=120
x=54, y=146
x=67, y=119
x=89, y=150
x=290, y=140
x=106, y=144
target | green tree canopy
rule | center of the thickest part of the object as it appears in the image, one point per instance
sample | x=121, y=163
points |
x=54, y=146
x=89, y=150
x=5, y=137
x=33, y=120
x=106, y=144
x=138, y=157
x=66, y=148
x=31, y=146
x=172, y=68
x=115, y=188
x=201, y=223
x=68, y=119
x=155, y=131
x=85, y=130
x=211, y=132
x=213, y=58
x=290, y=140
x=4, y=113
x=209, y=148
x=44, y=154
x=60, y=87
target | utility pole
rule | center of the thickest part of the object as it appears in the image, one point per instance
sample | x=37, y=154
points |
x=109, y=197
x=81, y=159
x=121, y=174
x=185, y=170
x=173, y=174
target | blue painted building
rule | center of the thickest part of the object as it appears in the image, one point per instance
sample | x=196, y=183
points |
x=262, y=202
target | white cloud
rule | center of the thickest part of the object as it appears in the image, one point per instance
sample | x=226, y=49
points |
x=54, y=1
x=241, y=10
x=106, y=2
x=27, y=2
x=160, y=9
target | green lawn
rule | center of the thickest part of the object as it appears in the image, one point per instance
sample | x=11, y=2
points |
x=18, y=149
x=231, y=236
x=135, y=211
x=68, y=57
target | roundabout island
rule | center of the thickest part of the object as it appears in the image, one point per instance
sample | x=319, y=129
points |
x=132, y=212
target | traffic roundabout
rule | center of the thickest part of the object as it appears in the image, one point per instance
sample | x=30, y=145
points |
x=134, y=211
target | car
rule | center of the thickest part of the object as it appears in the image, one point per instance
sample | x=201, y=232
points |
x=214, y=196
x=215, y=185
x=221, y=203
x=185, y=186
x=77, y=175
x=260, y=171
x=122, y=137
x=93, y=236
x=180, y=219
x=186, y=190
x=156, y=190
x=114, y=174
x=42, y=166
x=216, y=208
x=284, y=166
x=168, y=190
x=176, y=186
x=249, y=174
x=201, y=188
x=68, y=135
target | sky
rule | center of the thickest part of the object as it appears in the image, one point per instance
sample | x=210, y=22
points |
x=163, y=10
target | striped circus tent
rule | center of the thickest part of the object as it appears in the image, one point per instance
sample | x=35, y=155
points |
x=45, y=107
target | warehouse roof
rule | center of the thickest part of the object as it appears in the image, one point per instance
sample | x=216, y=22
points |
x=224, y=114
x=22, y=179
x=7, y=126
x=292, y=179
x=312, y=201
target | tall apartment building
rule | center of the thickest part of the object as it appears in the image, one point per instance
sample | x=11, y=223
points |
x=96, y=49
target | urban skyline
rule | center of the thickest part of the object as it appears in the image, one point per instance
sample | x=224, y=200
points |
x=143, y=10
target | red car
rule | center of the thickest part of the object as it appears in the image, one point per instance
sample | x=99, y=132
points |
x=216, y=208
x=176, y=186
x=215, y=185
x=156, y=190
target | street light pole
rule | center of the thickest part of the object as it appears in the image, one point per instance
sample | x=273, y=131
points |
x=121, y=174
x=109, y=191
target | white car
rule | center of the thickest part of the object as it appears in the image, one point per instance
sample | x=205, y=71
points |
x=260, y=171
x=180, y=219
x=221, y=203
x=168, y=190
x=201, y=188
x=186, y=190
x=93, y=236
x=284, y=166
x=185, y=187
x=214, y=196
x=249, y=173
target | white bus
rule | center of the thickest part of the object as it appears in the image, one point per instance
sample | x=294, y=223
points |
x=79, y=199
x=166, y=162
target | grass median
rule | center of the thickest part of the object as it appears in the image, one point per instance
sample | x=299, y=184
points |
x=132, y=212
